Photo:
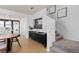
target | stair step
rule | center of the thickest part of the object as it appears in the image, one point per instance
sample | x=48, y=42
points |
x=59, y=38
x=57, y=34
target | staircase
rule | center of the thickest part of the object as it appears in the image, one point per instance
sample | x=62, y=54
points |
x=58, y=36
x=65, y=46
x=62, y=45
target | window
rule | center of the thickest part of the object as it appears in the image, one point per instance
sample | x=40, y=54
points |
x=16, y=28
x=1, y=23
x=8, y=26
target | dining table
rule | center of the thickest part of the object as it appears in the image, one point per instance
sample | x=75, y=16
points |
x=9, y=39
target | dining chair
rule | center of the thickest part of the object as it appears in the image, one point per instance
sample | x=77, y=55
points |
x=2, y=32
x=17, y=40
x=3, y=47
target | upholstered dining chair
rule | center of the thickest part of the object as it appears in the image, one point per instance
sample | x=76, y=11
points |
x=3, y=47
x=2, y=31
x=3, y=43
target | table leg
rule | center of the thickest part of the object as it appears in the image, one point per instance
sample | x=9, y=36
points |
x=8, y=45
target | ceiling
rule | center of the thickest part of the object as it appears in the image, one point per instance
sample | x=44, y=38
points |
x=27, y=9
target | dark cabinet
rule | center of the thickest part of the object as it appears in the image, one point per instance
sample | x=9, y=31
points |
x=39, y=37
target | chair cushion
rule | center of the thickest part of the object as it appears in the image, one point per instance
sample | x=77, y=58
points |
x=2, y=46
x=1, y=40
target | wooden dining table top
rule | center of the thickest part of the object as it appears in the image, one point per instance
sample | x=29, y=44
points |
x=11, y=35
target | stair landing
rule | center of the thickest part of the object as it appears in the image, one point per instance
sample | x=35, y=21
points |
x=65, y=45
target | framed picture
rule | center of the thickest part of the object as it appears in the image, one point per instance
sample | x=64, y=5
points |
x=51, y=9
x=38, y=23
x=62, y=12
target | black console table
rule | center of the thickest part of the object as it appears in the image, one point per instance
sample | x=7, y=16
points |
x=39, y=37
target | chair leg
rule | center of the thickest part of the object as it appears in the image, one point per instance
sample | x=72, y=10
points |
x=18, y=42
x=4, y=41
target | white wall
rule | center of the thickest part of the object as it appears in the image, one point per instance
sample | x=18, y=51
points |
x=23, y=27
x=30, y=21
x=48, y=26
x=69, y=26
x=25, y=23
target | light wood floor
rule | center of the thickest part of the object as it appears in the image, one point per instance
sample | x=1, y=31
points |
x=28, y=46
